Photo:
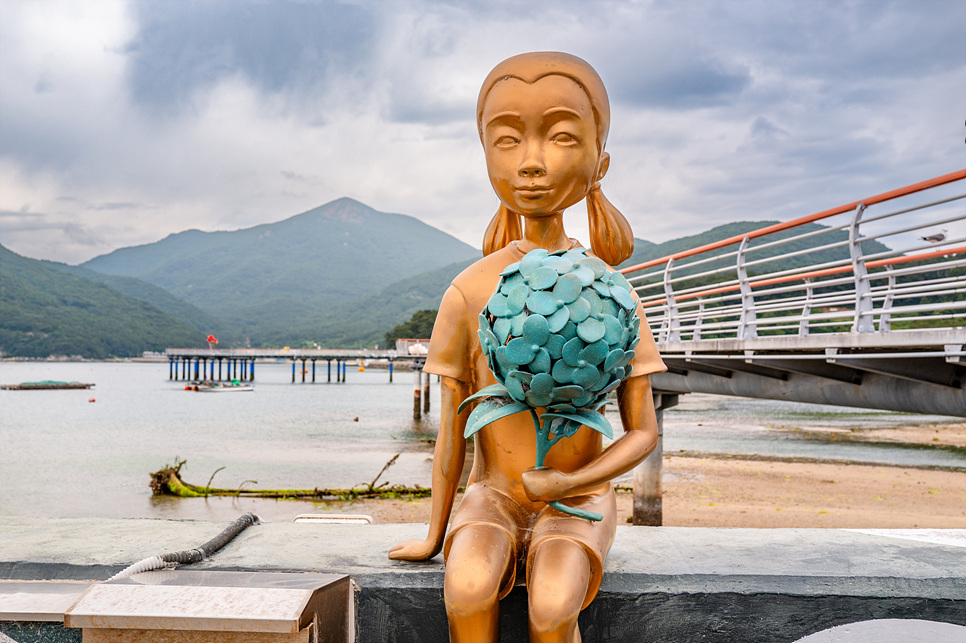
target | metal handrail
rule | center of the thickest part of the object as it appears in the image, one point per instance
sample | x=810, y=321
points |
x=865, y=290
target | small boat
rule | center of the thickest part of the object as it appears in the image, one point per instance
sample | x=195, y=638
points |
x=45, y=385
x=209, y=386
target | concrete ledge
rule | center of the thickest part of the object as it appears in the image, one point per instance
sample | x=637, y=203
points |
x=661, y=583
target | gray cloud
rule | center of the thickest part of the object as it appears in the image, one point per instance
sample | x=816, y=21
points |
x=291, y=48
x=122, y=123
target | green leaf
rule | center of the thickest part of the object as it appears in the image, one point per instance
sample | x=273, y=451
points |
x=489, y=411
x=493, y=390
x=591, y=419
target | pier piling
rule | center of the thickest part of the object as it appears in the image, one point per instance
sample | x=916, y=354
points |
x=425, y=392
x=417, y=391
x=648, y=506
x=390, y=371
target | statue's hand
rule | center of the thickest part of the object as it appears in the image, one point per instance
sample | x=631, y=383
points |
x=545, y=484
x=414, y=550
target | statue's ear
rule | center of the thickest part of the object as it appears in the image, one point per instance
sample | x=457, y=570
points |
x=604, y=165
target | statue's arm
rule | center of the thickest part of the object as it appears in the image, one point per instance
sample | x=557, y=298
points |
x=636, y=405
x=448, y=459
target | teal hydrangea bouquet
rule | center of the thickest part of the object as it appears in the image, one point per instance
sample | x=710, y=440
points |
x=559, y=334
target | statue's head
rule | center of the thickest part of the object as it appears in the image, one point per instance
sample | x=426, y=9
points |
x=543, y=119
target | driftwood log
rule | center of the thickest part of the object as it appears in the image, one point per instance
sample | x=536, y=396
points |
x=168, y=482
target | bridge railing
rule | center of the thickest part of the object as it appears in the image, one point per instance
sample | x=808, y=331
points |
x=890, y=262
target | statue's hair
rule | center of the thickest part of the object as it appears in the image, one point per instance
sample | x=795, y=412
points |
x=611, y=237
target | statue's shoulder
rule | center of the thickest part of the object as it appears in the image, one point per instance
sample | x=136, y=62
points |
x=481, y=276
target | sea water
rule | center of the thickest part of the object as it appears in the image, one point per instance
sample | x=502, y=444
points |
x=80, y=453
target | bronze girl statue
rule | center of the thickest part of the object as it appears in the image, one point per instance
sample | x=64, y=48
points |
x=543, y=120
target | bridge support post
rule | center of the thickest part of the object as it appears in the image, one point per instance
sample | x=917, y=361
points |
x=293, y=372
x=196, y=367
x=390, y=371
x=170, y=369
x=425, y=392
x=648, y=506
x=417, y=391
x=303, y=371
x=251, y=372
x=313, y=371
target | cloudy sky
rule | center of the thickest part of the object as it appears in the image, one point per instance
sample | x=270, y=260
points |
x=123, y=122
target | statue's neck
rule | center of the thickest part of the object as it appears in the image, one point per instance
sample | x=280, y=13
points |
x=544, y=232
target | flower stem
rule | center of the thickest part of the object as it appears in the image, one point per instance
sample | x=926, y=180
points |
x=544, y=442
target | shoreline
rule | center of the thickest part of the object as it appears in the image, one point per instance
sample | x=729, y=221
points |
x=704, y=490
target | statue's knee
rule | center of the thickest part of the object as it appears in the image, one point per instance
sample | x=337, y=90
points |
x=557, y=586
x=476, y=568
x=551, y=612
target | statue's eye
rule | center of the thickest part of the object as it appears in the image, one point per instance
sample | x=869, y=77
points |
x=563, y=138
x=507, y=141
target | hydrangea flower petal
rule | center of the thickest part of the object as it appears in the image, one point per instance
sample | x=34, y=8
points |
x=516, y=324
x=558, y=319
x=516, y=299
x=542, y=278
x=571, y=351
x=622, y=297
x=497, y=305
x=511, y=269
x=595, y=264
x=585, y=377
x=543, y=303
x=520, y=352
x=595, y=353
x=554, y=346
x=532, y=261
x=585, y=275
x=511, y=282
x=613, y=359
x=541, y=362
x=612, y=329
x=514, y=385
x=536, y=401
x=566, y=393
x=561, y=264
x=501, y=328
x=617, y=279
x=542, y=384
x=569, y=331
x=579, y=310
x=590, y=330
x=593, y=299
x=536, y=329
x=562, y=374
x=567, y=288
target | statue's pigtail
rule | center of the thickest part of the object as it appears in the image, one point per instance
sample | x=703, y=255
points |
x=504, y=227
x=611, y=237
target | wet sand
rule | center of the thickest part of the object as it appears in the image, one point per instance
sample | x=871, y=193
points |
x=723, y=491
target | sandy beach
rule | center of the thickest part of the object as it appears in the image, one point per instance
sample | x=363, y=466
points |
x=730, y=491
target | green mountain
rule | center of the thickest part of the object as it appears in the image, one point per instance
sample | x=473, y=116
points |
x=47, y=311
x=274, y=280
x=648, y=252
x=157, y=297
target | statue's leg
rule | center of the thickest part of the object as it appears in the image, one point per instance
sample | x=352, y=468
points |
x=560, y=572
x=479, y=563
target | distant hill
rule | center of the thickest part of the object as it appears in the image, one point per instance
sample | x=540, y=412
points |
x=646, y=253
x=269, y=280
x=48, y=311
x=157, y=297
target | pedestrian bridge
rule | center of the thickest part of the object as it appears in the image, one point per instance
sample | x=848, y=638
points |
x=865, y=309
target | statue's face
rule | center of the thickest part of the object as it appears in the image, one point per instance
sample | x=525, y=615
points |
x=540, y=142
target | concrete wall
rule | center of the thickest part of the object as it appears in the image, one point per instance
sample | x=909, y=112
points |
x=661, y=583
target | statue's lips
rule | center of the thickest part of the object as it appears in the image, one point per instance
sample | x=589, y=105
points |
x=533, y=190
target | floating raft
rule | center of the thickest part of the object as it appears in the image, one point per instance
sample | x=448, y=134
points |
x=46, y=385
